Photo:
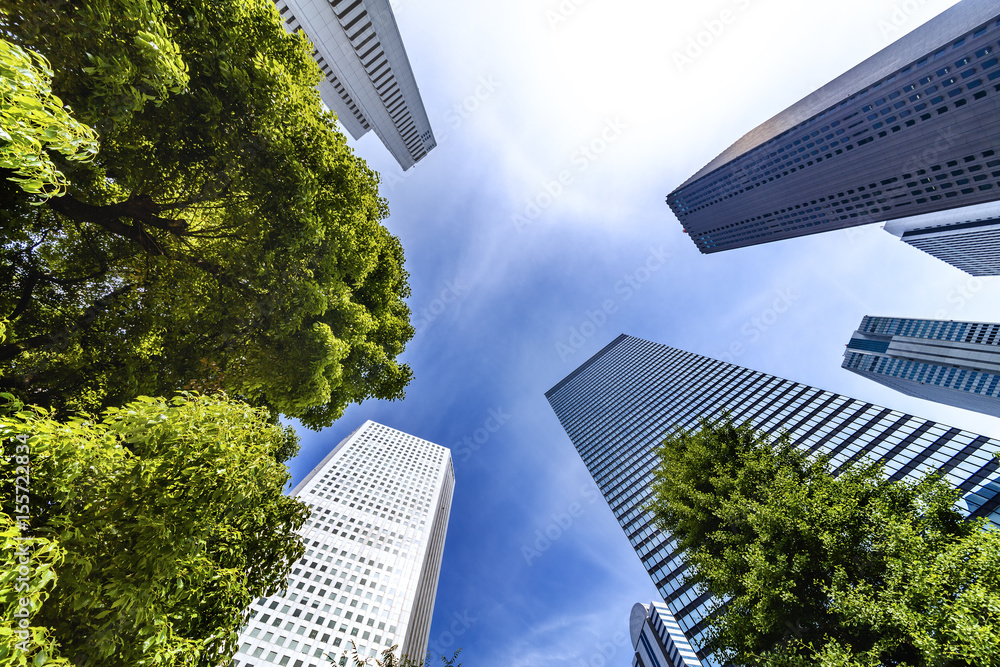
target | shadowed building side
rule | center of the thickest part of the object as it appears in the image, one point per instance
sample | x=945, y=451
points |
x=911, y=130
x=967, y=238
x=367, y=81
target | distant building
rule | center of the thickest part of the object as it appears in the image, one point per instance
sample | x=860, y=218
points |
x=620, y=404
x=955, y=363
x=967, y=238
x=380, y=503
x=657, y=639
x=368, y=81
x=911, y=130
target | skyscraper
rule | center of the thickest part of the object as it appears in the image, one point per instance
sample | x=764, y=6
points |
x=967, y=238
x=911, y=130
x=620, y=404
x=368, y=80
x=657, y=639
x=380, y=503
x=956, y=363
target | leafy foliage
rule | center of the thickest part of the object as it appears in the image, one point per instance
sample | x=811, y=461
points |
x=224, y=237
x=33, y=121
x=847, y=570
x=390, y=659
x=170, y=519
x=22, y=592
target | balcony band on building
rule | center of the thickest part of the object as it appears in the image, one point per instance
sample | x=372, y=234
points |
x=368, y=80
x=955, y=363
x=967, y=238
x=620, y=404
x=657, y=639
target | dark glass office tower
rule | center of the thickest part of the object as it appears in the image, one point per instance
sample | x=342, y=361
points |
x=912, y=130
x=619, y=405
x=955, y=363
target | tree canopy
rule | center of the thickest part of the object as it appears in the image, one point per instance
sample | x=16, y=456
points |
x=813, y=568
x=223, y=237
x=33, y=121
x=149, y=530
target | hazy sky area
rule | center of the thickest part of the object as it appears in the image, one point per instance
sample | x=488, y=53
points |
x=603, y=94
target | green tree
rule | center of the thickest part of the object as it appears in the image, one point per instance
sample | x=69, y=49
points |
x=390, y=659
x=845, y=570
x=168, y=517
x=22, y=592
x=33, y=121
x=224, y=237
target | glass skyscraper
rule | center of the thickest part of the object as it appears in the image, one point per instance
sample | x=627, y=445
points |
x=909, y=131
x=956, y=363
x=380, y=502
x=621, y=403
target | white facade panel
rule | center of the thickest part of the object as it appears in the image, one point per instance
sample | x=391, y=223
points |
x=380, y=503
x=369, y=82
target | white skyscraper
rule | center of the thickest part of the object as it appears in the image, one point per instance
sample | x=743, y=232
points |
x=380, y=503
x=368, y=80
x=657, y=639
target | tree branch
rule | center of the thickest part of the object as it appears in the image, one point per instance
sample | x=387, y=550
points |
x=26, y=289
x=140, y=208
x=58, y=339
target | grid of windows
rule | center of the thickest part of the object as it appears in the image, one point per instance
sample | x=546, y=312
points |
x=973, y=248
x=353, y=17
x=920, y=139
x=379, y=511
x=957, y=363
x=375, y=86
x=619, y=405
x=657, y=639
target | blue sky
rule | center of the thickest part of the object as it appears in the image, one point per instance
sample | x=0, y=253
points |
x=537, y=231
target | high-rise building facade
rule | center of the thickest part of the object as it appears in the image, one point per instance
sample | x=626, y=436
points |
x=367, y=76
x=657, y=640
x=911, y=130
x=956, y=363
x=380, y=503
x=967, y=238
x=621, y=403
